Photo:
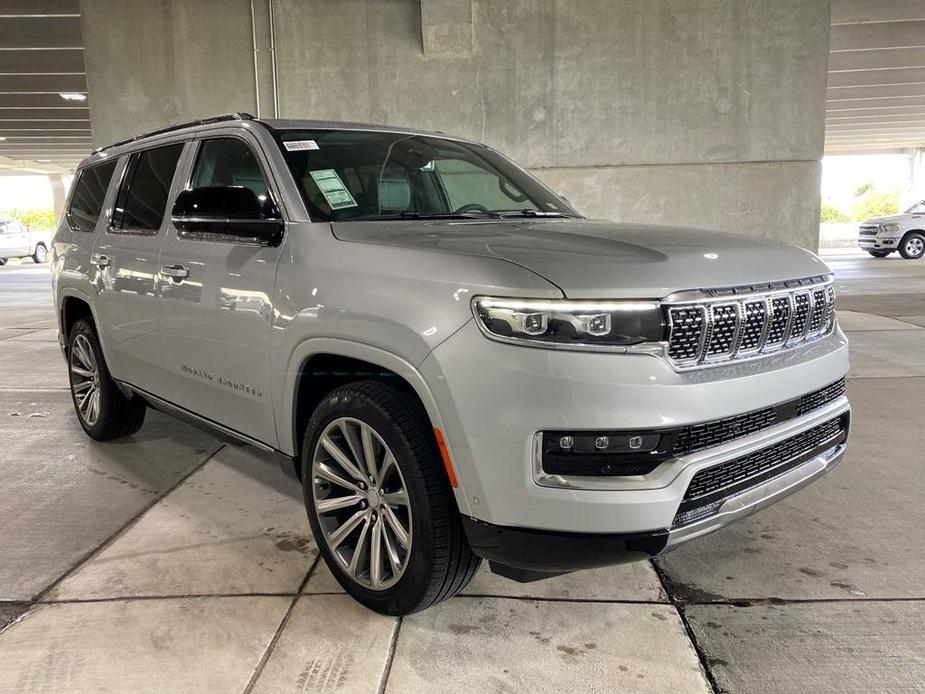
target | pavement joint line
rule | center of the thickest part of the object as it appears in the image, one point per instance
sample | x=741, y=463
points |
x=174, y=596
x=268, y=651
x=39, y=597
x=679, y=609
x=529, y=598
x=912, y=329
x=389, y=657
x=763, y=602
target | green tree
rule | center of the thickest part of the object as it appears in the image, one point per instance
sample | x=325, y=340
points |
x=876, y=203
x=829, y=213
x=863, y=188
x=33, y=220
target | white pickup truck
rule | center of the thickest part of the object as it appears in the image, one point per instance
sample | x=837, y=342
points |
x=905, y=233
x=18, y=242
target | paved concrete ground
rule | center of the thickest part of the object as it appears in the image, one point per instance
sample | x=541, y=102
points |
x=174, y=562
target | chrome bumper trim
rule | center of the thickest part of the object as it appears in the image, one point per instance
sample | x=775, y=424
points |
x=746, y=503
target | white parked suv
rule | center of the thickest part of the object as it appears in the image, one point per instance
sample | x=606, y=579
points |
x=18, y=242
x=905, y=233
x=454, y=362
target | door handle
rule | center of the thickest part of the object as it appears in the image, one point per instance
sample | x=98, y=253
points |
x=177, y=272
x=101, y=261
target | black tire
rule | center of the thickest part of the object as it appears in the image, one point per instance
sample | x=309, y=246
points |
x=912, y=245
x=2, y=262
x=880, y=254
x=41, y=253
x=440, y=562
x=118, y=415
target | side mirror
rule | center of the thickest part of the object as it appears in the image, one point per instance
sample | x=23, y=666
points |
x=232, y=214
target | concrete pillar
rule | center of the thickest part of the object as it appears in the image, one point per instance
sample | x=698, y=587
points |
x=446, y=28
x=917, y=177
x=58, y=193
x=706, y=113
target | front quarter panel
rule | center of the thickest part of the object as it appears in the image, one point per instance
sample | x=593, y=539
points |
x=394, y=301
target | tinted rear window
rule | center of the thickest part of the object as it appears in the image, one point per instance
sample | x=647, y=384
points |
x=142, y=198
x=89, y=193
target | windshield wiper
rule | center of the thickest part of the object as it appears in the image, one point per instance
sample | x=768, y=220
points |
x=449, y=215
x=529, y=212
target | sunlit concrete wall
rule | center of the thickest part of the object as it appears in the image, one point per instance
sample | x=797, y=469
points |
x=705, y=113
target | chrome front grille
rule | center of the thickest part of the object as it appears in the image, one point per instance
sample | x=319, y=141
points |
x=718, y=326
x=868, y=230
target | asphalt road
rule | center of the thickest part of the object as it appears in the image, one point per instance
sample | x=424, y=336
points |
x=25, y=284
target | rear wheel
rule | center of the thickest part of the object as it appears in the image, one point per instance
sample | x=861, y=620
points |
x=879, y=254
x=912, y=247
x=103, y=410
x=379, y=504
x=41, y=253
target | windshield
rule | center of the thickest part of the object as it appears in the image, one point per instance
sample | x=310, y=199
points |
x=368, y=175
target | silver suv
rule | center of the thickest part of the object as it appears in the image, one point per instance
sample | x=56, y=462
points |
x=455, y=363
x=905, y=233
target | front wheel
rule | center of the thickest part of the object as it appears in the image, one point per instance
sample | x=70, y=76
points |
x=41, y=253
x=879, y=254
x=379, y=503
x=912, y=247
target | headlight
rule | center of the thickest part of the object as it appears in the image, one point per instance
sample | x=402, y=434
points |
x=569, y=324
x=889, y=228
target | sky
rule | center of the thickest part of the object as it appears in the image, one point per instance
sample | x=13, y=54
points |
x=843, y=174
x=26, y=193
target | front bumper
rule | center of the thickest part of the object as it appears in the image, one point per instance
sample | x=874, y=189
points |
x=525, y=554
x=494, y=398
x=881, y=241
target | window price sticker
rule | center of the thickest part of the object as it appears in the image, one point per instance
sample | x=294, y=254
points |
x=333, y=189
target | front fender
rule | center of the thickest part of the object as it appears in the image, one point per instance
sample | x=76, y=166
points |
x=285, y=403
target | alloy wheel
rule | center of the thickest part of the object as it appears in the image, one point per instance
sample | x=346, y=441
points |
x=85, y=380
x=915, y=246
x=361, y=503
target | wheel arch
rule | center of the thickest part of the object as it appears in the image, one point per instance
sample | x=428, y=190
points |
x=906, y=235
x=72, y=306
x=318, y=365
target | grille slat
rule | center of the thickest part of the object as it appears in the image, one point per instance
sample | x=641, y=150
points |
x=732, y=472
x=756, y=315
x=725, y=318
x=723, y=328
x=687, y=326
x=698, y=437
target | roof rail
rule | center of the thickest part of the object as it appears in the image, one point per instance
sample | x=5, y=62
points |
x=179, y=126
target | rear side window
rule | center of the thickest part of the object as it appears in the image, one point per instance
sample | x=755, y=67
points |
x=89, y=193
x=142, y=198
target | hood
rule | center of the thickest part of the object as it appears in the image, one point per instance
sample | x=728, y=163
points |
x=591, y=259
x=893, y=218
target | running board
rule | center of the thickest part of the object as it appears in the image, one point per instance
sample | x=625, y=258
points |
x=291, y=465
